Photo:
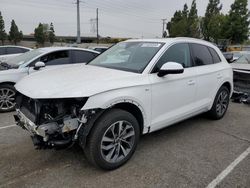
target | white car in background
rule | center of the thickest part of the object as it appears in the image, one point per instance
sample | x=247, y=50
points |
x=105, y=106
x=9, y=51
x=100, y=49
x=14, y=69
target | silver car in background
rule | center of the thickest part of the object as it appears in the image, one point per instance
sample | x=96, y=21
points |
x=14, y=69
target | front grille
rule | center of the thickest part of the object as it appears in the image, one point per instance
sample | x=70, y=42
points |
x=242, y=82
x=27, y=106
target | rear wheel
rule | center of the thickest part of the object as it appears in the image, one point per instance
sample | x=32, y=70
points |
x=113, y=139
x=7, y=98
x=220, y=104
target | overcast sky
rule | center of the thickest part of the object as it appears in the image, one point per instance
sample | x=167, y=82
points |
x=118, y=18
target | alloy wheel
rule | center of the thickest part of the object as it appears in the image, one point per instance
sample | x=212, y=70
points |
x=7, y=99
x=222, y=103
x=117, y=141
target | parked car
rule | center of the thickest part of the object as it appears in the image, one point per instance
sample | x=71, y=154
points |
x=7, y=52
x=229, y=56
x=241, y=70
x=14, y=69
x=100, y=49
x=105, y=106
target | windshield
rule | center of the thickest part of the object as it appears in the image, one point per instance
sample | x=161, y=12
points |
x=128, y=56
x=23, y=58
x=244, y=59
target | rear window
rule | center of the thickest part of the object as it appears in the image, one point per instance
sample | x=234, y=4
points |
x=2, y=51
x=201, y=55
x=80, y=56
x=216, y=57
x=14, y=50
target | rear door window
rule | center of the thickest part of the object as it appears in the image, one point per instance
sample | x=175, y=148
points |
x=14, y=50
x=80, y=56
x=2, y=51
x=216, y=57
x=56, y=58
x=201, y=55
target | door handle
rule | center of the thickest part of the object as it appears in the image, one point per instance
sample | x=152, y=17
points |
x=191, y=82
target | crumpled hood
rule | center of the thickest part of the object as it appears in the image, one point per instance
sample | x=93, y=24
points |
x=75, y=81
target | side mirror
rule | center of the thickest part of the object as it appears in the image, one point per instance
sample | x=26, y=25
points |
x=39, y=65
x=170, y=68
x=229, y=57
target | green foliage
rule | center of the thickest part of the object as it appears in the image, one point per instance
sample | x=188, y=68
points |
x=193, y=22
x=238, y=22
x=52, y=36
x=40, y=35
x=184, y=23
x=212, y=12
x=15, y=35
x=3, y=34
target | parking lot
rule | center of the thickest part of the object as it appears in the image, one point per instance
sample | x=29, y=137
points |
x=190, y=154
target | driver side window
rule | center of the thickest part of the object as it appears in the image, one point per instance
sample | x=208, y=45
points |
x=178, y=53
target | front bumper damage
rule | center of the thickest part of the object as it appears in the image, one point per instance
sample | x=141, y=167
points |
x=49, y=135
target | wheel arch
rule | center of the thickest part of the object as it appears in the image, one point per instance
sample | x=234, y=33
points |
x=228, y=86
x=134, y=110
x=7, y=83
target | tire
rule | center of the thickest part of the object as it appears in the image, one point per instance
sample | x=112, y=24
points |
x=220, y=104
x=105, y=149
x=7, y=98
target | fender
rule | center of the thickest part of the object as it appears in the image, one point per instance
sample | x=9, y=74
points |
x=108, y=99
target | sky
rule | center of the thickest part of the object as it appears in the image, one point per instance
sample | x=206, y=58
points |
x=117, y=18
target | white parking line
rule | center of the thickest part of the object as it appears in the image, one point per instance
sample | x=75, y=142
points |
x=6, y=127
x=229, y=169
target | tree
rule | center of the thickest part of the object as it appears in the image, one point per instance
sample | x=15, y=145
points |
x=193, y=22
x=15, y=35
x=40, y=35
x=177, y=27
x=3, y=34
x=213, y=9
x=216, y=27
x=185, y=23
x=238, y=22
x=51, y=34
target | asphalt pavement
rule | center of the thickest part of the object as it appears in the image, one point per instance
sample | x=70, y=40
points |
x=193, y=153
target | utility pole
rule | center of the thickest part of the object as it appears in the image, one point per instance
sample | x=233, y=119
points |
x=97, y=26
x=163, y=26
x=78, y=40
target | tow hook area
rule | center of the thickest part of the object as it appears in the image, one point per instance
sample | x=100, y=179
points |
x=56, y=144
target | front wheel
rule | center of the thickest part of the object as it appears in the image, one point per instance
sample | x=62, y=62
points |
x=7, y=98
x=220, y=104
x=113, y=139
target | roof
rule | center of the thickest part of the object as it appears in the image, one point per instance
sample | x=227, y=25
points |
x=16, y=47
x=51, y=49
x=171, y=40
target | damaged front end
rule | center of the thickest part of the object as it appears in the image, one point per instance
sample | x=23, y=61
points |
x=52, y=123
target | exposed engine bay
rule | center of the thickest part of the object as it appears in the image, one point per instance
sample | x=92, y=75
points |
x=52, y=123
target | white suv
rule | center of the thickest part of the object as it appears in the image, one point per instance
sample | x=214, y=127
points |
x=135, y=87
